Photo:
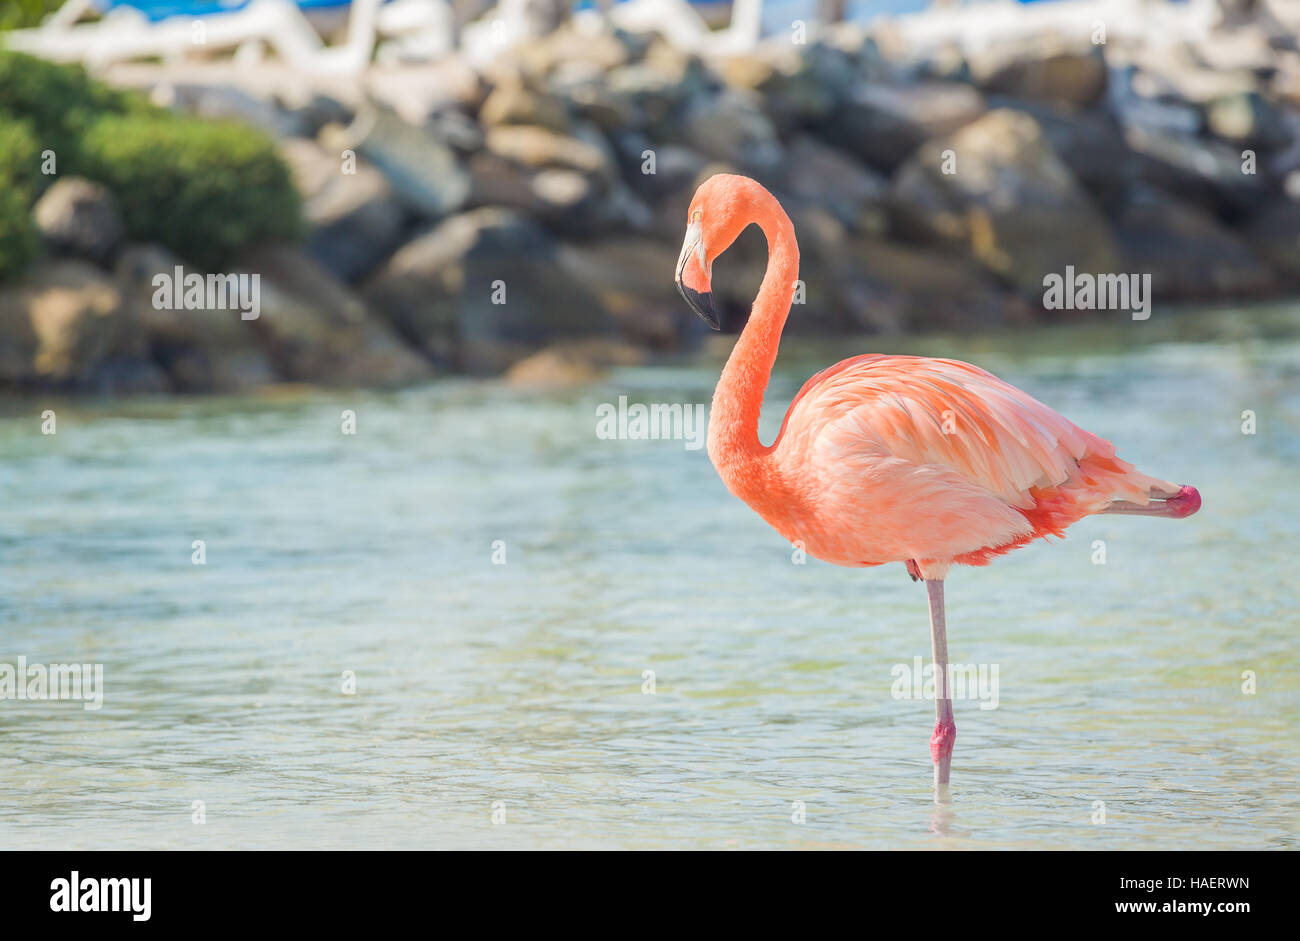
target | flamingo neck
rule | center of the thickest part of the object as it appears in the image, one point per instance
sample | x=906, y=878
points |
x=738, y=399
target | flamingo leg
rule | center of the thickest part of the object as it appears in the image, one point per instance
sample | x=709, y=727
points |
x=945, y=730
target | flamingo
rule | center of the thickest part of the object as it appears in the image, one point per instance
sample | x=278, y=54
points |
x=928, y=462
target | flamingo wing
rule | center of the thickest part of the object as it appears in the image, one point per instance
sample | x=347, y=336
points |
x=943, y=413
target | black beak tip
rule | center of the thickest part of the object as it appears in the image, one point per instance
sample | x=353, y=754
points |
x=702, y=304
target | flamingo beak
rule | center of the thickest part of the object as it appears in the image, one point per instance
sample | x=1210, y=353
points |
x=693, y=277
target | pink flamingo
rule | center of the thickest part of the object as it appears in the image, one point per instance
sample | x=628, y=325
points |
x=930, y=462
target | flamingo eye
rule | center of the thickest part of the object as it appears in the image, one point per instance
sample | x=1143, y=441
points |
x=696, y=215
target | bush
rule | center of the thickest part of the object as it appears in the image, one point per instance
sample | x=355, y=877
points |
x=204, y=189
x=20, y=158
x=19, y=13
x=60, y=101
x=19, y=242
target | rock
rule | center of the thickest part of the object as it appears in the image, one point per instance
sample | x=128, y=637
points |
x=1173, y=75
x=630, y=279
x=79, y=218
x=1011, y=204
x=659, y=86
x=798, y=84
x=572, y=43
x=1045, y=67
x=1090, y=143
x=537, y=148
x=1208, y=173
x=315, y=330
x=1285, y=85
x=1275, y=236
x=198, y=350
x=885, y=124
x=1247, y=120
x=1140, y=99
x=481, y=290
x=513, y=103
x=561, y=192
x=577, y=363
x=58, y=325
x=909, y=289
x=658, y=170
x=461, y=132
x=730, y=126
x=567, y=200
x=595, y=102
x=1188, y=254
x=356, y=220
x=816, y=173
x=321, y=109
x=420, y=166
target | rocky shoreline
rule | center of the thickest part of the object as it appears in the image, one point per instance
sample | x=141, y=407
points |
x=523, y=219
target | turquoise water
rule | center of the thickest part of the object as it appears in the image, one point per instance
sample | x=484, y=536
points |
x=522, y=682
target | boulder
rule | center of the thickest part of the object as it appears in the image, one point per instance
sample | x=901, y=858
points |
x=199, y=350
x=884, y=124
x=824, y=176
x=537, y=148
x=1188, y=254
x=798, y=84
x=79, y=218
x=1090, y=143
x=906, y=288
x=419, y=165
x=481, y=290
x=675, y=167
x=1043, y=67
x=1274, y=234
x=1208, y=173
x=355, y=218
x=1011, y=203
x=731, y=126
x=1249, y=120
x=576, y=363
x=564, y=197
x=60, y=325
x=513, y=103
x=630, y=279
x=315, y=330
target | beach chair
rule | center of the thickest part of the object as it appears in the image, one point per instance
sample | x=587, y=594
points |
x=683, y=26
x=171, y=29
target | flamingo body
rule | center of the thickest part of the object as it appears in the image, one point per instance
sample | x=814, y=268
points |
x=930, y=462
x=896, y=458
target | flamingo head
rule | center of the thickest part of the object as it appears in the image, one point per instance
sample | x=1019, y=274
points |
x=720, y=211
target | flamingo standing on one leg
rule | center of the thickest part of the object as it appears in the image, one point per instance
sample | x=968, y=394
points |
x=881, y=459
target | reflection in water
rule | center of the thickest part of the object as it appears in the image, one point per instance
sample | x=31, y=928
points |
x=522, y=686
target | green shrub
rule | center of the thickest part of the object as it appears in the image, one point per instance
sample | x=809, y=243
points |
x=205, y=189
x=19, y=13
x=19, y=242
x=20, y=157
x=60, y=101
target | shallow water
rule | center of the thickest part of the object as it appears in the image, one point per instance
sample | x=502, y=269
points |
x=523, y=682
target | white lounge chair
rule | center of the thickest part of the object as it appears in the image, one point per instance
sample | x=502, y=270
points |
x=136, y=29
